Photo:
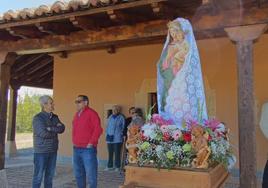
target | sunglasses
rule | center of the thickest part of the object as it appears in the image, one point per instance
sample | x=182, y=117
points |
x=78, y=101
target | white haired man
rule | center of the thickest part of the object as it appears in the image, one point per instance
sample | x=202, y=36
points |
x=46, y=127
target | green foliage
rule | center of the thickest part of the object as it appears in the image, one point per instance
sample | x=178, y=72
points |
x=27, y=107
x=148, y=114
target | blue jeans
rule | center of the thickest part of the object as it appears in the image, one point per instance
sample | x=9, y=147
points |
x=85, y=166
x=44, y=164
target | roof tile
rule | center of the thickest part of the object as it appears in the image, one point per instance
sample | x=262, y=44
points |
x=42, y=10
x=26, y=13
x=58, y=7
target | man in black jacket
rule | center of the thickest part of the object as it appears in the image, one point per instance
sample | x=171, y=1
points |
x=46, y=127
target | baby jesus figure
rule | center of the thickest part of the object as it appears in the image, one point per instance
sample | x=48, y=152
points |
x=174, y=57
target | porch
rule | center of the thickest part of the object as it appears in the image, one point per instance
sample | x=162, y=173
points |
x=19, y=174
x=67, y=29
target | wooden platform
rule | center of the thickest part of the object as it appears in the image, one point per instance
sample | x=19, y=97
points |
x=176, y=178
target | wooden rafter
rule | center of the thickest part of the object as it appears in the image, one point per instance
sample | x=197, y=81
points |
x=39, y=74
x=81, y=13
x=5, y=69
x=33, y=68
x=23, y=64
x=204, y=24
x=91, y=39
x=39, y=65
x=157, y=7
x=25, y=32
x=46, y=77
x=47, y=85
x=84, y=23
x=56, y=28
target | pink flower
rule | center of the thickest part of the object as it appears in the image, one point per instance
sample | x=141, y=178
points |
x=157, y=119
x=212, y=124
x=191, y=123
x=176, y=135
x=164, y=128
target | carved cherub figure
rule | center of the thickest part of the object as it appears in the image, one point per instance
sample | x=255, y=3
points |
x=132, y=141
x=200, y=146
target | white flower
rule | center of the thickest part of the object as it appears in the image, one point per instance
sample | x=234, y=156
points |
x=149, y=130
x=220, y=128
x=172, y=127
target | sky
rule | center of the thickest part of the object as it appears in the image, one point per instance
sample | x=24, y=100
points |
x=32, y=91
x=6, y=5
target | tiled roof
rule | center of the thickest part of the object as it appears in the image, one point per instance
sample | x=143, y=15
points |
x=57, y=8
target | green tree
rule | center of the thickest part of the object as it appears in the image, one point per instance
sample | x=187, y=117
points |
x=27, y=107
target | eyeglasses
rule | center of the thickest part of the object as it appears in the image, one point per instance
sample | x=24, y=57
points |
x=78, y=101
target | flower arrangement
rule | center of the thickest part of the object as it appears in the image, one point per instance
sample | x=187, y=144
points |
x=164, y=145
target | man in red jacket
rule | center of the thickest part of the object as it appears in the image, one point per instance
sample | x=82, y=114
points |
x=86, y=133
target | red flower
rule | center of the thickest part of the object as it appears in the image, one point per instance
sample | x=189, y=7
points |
x=143, y=137
x=219, y=134
x=166, y=137
x=209, y=138
x=187, y=137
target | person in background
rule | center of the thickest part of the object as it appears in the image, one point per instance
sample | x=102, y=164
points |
x=46, y=127
x=86, y=133
x=114, y=138
x=139, y=113
x=131, y=112
x=265, y=176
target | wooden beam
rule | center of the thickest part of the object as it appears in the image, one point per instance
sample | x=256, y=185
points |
x=84, y=23
x=47, y=85
x=111, y=36
x=5, y=76
x=89, y=39
x=244, y=37
x=118, y=16
x=25, y=32
x=39, y=74
x=5, y=36
x=111, y=50
x=38, y=66
x=42, y=28
x=120, y=6
x=63, y=55
x=156, y=7
x=11, y=131
x=228, y=18
x=56, y=28
x=3, y=56
x=46, y=77
x=19, y=66
x=10, y=58
x=15, y=34
x=29, y=70
x=45, y=73
x=5, y=69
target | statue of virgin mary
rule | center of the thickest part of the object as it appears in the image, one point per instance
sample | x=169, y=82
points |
x=180, y=87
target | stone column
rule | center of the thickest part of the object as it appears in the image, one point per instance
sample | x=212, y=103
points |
x=11, y=148
x=244, y=37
